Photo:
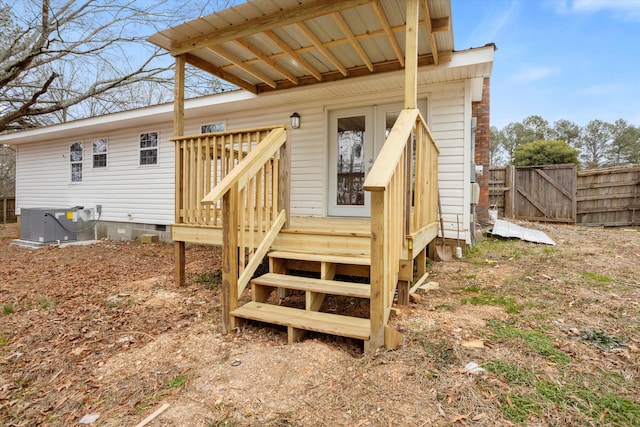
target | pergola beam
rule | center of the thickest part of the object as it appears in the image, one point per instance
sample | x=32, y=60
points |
x=293, y=54
x=220, y=73
x=267, y=60
x=344, y=27
x=240, y=64
x=441, y=22
x=439, y=25
x=321, y=47
x=281, y=18
x=388, y=31
x=432, y=39
x=357, y=71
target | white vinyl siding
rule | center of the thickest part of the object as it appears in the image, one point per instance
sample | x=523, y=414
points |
x=307, y=151
x=129, y=192
x=447, y=127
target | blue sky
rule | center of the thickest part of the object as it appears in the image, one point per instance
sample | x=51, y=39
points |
x=560, y=59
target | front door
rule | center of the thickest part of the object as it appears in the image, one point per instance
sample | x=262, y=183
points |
x=351, y=154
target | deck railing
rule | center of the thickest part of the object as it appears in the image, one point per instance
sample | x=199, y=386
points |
x=249, y=197
x=204, y=160
x=403, y=186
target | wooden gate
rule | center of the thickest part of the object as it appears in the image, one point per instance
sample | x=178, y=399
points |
x=536, y=193
x=545, y=193
x=600, y=197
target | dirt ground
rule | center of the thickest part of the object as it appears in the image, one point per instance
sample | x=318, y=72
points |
x=101, y=335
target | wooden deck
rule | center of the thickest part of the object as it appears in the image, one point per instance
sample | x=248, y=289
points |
x=233, y=191
x=241, y=202
x=342, y=235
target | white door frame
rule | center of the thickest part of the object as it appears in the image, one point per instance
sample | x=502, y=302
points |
x=375, y=137
x=334, y=208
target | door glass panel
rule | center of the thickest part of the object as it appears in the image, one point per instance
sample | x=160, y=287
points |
x=351, y=161
x=389, y=120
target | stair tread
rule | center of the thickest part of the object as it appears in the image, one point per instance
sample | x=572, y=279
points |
x=327, y=323
x=332, y=287
x=334, y=258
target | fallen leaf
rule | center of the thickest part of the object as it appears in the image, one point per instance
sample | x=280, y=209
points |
x=479, y=417
x=458, y=418
x=78, y=351
x=473, y=344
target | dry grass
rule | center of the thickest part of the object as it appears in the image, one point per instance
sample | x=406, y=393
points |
x=103, y=329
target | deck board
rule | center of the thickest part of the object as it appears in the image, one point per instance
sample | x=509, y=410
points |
x=334, y=258
x=332, y=287
x=334, y=324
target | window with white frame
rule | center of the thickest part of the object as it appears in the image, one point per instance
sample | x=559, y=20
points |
x=100, y=148
x=149, y=148
x=75, y=160
x=213, y=127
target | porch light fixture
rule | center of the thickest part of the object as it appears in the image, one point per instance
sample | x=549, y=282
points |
x=295, y=120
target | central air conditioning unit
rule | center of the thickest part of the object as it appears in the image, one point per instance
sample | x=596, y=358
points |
x=48, y=225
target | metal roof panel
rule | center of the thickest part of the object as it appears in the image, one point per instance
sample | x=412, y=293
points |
x=311, y=41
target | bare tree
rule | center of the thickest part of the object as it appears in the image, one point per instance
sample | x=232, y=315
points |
x=496, y=144
x=7, y=171
x=66, y=59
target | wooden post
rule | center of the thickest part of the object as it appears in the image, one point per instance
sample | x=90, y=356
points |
x=403, y=292
x=229, y=257
x=284, y=187
x=379, y=255
x=421, y=263
x=411, y=56
x=408, y=187
x=178, y=130
x=574, y=194
x=4, y=210
x=510, y=192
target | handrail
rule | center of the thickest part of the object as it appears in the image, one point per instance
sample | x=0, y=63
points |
x=224, y=132
x=392, y=150
x=202, y=161
x=261, y=251
x=401, y=203
x=249, y=165
x=381, y=171
x=253, y=196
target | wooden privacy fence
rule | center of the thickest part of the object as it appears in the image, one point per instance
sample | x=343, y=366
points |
x=560, y=193
x=609, y=197
x=7, y=210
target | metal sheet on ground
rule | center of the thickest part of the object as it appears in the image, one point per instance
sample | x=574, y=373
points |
x=509, y=230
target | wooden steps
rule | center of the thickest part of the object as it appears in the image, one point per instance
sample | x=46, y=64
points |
x=293, y=318
x=329, y=258
x=265, y=308
x=309, y=284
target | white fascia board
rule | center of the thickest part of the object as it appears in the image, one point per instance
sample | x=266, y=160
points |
x=476, y=89
x=473, y=56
